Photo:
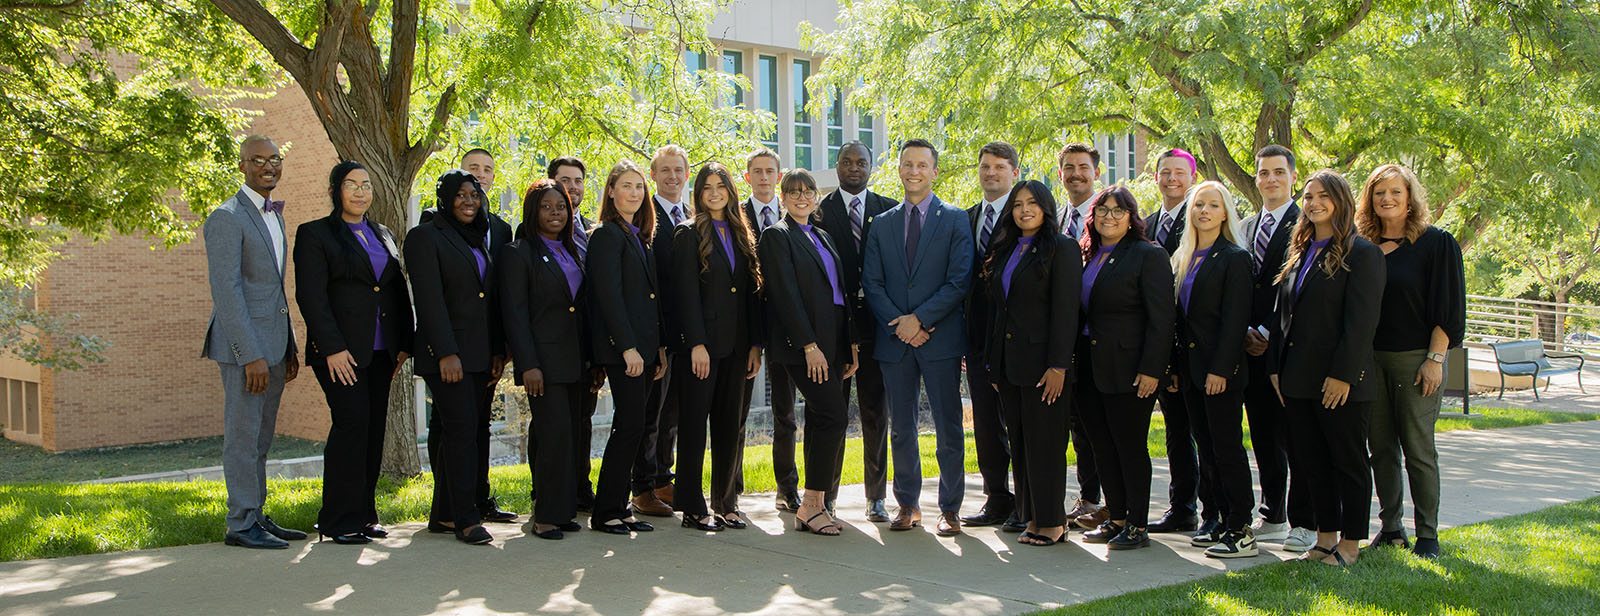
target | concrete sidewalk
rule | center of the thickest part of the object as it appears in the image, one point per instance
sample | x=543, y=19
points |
x=768, y=568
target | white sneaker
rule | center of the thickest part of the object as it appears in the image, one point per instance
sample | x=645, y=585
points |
x=1268, y=531
x=1300, y=540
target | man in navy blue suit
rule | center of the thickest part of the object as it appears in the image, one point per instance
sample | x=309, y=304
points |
x=916, y=273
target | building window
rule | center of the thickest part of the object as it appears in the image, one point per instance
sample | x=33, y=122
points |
x=802, y=118
x=1132, y=169
x=767, y=93
x=864, y=129
x=694, y=61
x=835, y=128
x=1111, y=160
x=733, y=64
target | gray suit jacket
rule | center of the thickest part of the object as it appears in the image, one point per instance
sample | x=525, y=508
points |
x=250, y=311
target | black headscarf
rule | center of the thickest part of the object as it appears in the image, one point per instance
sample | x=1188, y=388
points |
x=449, y=184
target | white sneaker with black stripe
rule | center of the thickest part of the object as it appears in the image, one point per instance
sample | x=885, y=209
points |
x=1235, y=544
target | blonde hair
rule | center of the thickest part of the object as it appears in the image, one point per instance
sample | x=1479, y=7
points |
x=1417, y=213
x=670, y=149
x=1182, y=259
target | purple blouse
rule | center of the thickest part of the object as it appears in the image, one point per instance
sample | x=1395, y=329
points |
x=569, y=266
x=1091, y=270
x=1023, y=244
x=1188, y=278
x=827, y=263
x=378, y=257
x=727, y=239
x=1305, y=265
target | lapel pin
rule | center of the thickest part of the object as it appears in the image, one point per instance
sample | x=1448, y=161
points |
x=546, y=259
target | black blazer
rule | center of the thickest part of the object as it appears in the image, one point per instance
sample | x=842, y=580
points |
x=546, y=325
x=1264, y=292
x=623, y=295
x=836, y=221
x=799, y=296
x=718, y=306
x=1153, y=222
x=457, y=314
x=661, y=246
x=1035, y=327
x=1327, y=331
x=339, y=295
x=1130, y=316
x=1219, y=305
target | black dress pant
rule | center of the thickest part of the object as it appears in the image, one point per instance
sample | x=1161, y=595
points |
x=989, y=436
x=485, y=406
x=582, y=429
x=1341, y=481
x=653, y=468
x=1119, y=424
x=714, y=400
x=874, y=411
x=1219, y=435
x=1284, y=495
x=354, y=451
x=827, y=415
x=1038, y=450
x=1088, y=475
x=453, y=438
x=784, y=428
x=1188, y=484
x=554, y=429
x=628, y=399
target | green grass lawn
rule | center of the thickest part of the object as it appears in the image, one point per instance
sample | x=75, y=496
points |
x=40, y=520
x=1545, y=562
x=20, y=462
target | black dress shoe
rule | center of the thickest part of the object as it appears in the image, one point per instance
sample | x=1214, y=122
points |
x=639, y=526
x=255, y=537
x=477, y=536
x=570, y=527
x=1013, y=525
x=987, y=516
x=1131, y=538
x=286, y=534
x=1210, y=527
x=375, y=531
x=876, y=512
x=620, y=528
x=490, y=511
x=1176, y=520
x=440, y=528
x=349, y=539
x=694, y=522
x=788, y=502
x=1426, y=548
x=1104, y=533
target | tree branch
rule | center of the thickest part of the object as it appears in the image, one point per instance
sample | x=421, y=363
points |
x=268, y=31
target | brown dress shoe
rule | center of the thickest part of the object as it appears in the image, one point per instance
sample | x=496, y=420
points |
x=949, y=524
x=1093, y=519
x=664, y=494
x=906, y=519
x=1080, y=507
x=648, y=504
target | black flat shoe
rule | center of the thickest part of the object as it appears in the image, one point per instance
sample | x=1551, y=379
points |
x=570, y=527
x=1013, y=525
x=375, y=531
x=1131, y=538
x=477, y=536
x=620, y=528
x=440, y=528
x=1175, y=521
x=348, y=539
x=733, y=521
x=987, y=516
x=690, y=521
x=552, y=534
x=639, y=526
x=1104, y=534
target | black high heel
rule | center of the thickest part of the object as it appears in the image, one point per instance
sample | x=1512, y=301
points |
x=375, y=531
x=695, y=522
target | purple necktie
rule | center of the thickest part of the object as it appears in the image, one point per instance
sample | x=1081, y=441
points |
x=1263, y=237
x=855, y=220
x=766, y=217
x=1072, y=225
x=988, y=230
x=275, y=207
x=913, y=235
x=579, y=236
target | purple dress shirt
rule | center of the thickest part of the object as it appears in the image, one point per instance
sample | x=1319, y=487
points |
x=569, y=266
x=922, y=214
x=726, y=238
x=1305, y=265
x=1023, y=244
x=1188, y=278
x=827, y=263
x=1091, y=270
x=378, y=257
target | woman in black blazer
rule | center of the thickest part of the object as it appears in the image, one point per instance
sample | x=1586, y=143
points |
x=719, y=317
x=1320, y=360
x=1122, y=352
x=358, y=328
x=810, y=336
x=1212, y=275
x=459, y=348
x=626, y=336
x=544, y=300
x=1034, y=276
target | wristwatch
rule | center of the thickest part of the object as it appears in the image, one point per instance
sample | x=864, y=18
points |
x=1437, y=358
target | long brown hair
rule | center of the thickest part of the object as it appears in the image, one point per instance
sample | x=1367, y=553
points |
x=1344, y=228
x=1417, y=213
x=645, y=218
x=743, y=239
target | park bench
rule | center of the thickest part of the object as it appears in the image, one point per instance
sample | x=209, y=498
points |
x=1528, y=358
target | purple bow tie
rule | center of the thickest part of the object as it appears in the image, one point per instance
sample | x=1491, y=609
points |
x=273, y=206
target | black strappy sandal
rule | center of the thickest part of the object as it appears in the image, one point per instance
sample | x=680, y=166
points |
x=817, y=530
x=1336, y=556
x=1317, y=548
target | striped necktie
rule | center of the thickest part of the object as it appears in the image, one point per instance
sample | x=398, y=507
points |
x=579, y=236
x=988, y=229
x=855, y=220
x=766, y=217
x=1263, y=237
x=1166, y=229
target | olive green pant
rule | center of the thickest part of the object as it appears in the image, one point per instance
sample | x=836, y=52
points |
x=1402, y=423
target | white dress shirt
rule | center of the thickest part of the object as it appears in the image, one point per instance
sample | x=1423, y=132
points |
x=272, y=220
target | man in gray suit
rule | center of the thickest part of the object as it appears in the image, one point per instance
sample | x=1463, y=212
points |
x=249, y=337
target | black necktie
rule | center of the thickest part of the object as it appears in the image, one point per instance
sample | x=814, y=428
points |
x=913, y=235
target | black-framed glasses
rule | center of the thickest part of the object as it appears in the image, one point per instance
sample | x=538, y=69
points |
x=1114, y=213
x=262, y=161
x=796, y=194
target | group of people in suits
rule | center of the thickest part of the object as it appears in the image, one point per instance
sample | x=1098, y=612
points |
x=1324, y=319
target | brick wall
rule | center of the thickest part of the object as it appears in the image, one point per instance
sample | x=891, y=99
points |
x=154, y=304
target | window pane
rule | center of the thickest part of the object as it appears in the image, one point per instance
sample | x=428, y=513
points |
x=767, y=92
x=733, y=64
x=802, y=71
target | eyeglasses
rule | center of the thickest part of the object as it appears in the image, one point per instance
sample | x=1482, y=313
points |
x=261, y=161
x=1114, y=213
x=363, y=187
x=796, y=194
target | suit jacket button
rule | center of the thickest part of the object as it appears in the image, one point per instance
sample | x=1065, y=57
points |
x=1008, y=336
x=652, y=296
x=733, y=290
x=1258, y=285
x=375, y=289
x=1291, y=344
x=480, y=294
x=1191, y=345
x=283, y=310
x=572, y=308
x=1093, y=342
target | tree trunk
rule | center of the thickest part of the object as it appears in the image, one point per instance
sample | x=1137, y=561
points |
x=400, y=459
